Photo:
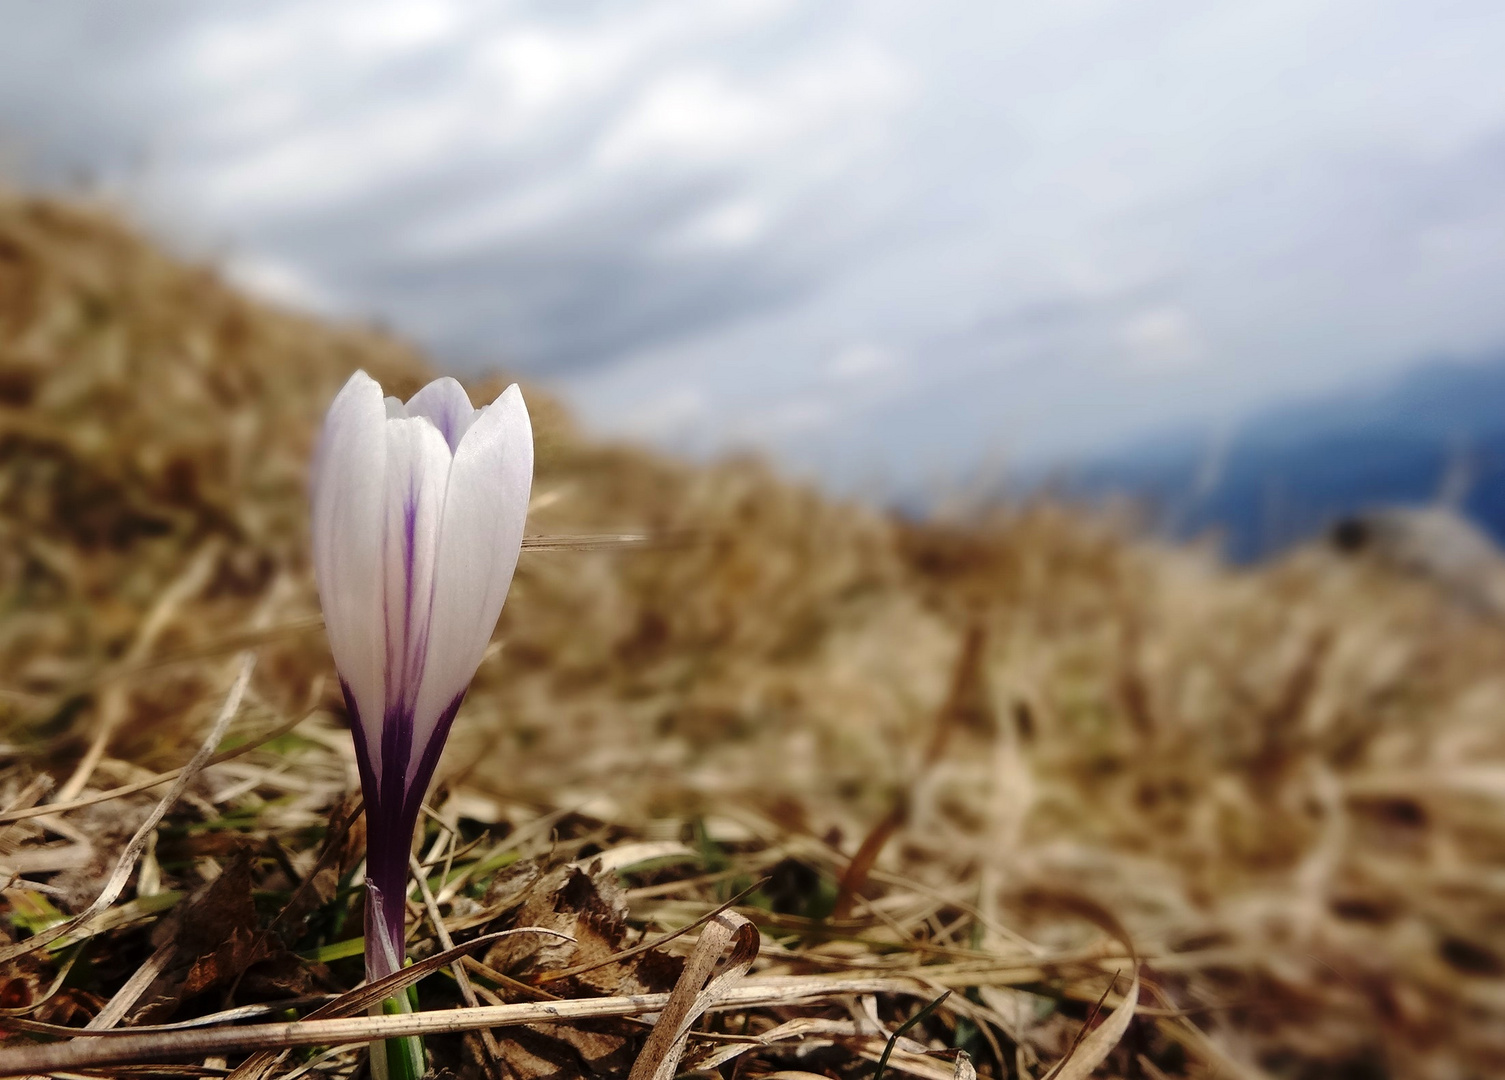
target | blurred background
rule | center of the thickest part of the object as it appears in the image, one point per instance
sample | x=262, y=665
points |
x=1244, y=259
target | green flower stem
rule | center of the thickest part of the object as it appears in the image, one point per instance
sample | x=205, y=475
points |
x=399, y=1059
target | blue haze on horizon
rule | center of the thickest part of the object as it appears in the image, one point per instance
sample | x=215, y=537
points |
x=884, y=242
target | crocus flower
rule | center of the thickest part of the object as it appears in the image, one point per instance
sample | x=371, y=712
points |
x=418, y=515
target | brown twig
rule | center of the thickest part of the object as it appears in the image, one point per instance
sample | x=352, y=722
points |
x=136, y=1047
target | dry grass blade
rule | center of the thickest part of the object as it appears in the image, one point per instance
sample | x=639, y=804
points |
x=596, y=542
x=129, y=993
x=370, y=994
x=728, y=940
x=462, y=980
x=1094, y=1049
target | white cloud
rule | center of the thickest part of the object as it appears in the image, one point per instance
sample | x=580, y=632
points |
x=1162, y=341
x=731, y=224
x=537, y=71
x=860, y=361
x=702, y=115
x=272, y=41
x=277, y=282
x=669, y=415
x=765, y=427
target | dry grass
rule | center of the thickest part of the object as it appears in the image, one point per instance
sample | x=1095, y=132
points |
x=972, y=756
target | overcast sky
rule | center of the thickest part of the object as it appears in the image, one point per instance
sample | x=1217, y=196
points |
x=884, y=240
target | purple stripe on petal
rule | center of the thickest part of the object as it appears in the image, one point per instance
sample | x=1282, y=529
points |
x=408, y=679
x=429, y=760
x=388, y=836
x=362, y=746
x=444, y=404
x=409, y=532
x=396, y=749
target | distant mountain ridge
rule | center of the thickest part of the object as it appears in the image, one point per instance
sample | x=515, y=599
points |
x=1437, y=430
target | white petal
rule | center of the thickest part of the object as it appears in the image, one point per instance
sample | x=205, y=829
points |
x=447, y=407
x=396, y=410
x=349, y=495
x=479, y=541
x=418, y=464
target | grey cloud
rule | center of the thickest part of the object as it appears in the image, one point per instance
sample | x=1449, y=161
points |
x=549, y=312
x=1018, y=200
x=558, y=297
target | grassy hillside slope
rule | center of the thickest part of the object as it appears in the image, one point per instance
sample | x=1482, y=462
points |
x=1287, y=785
